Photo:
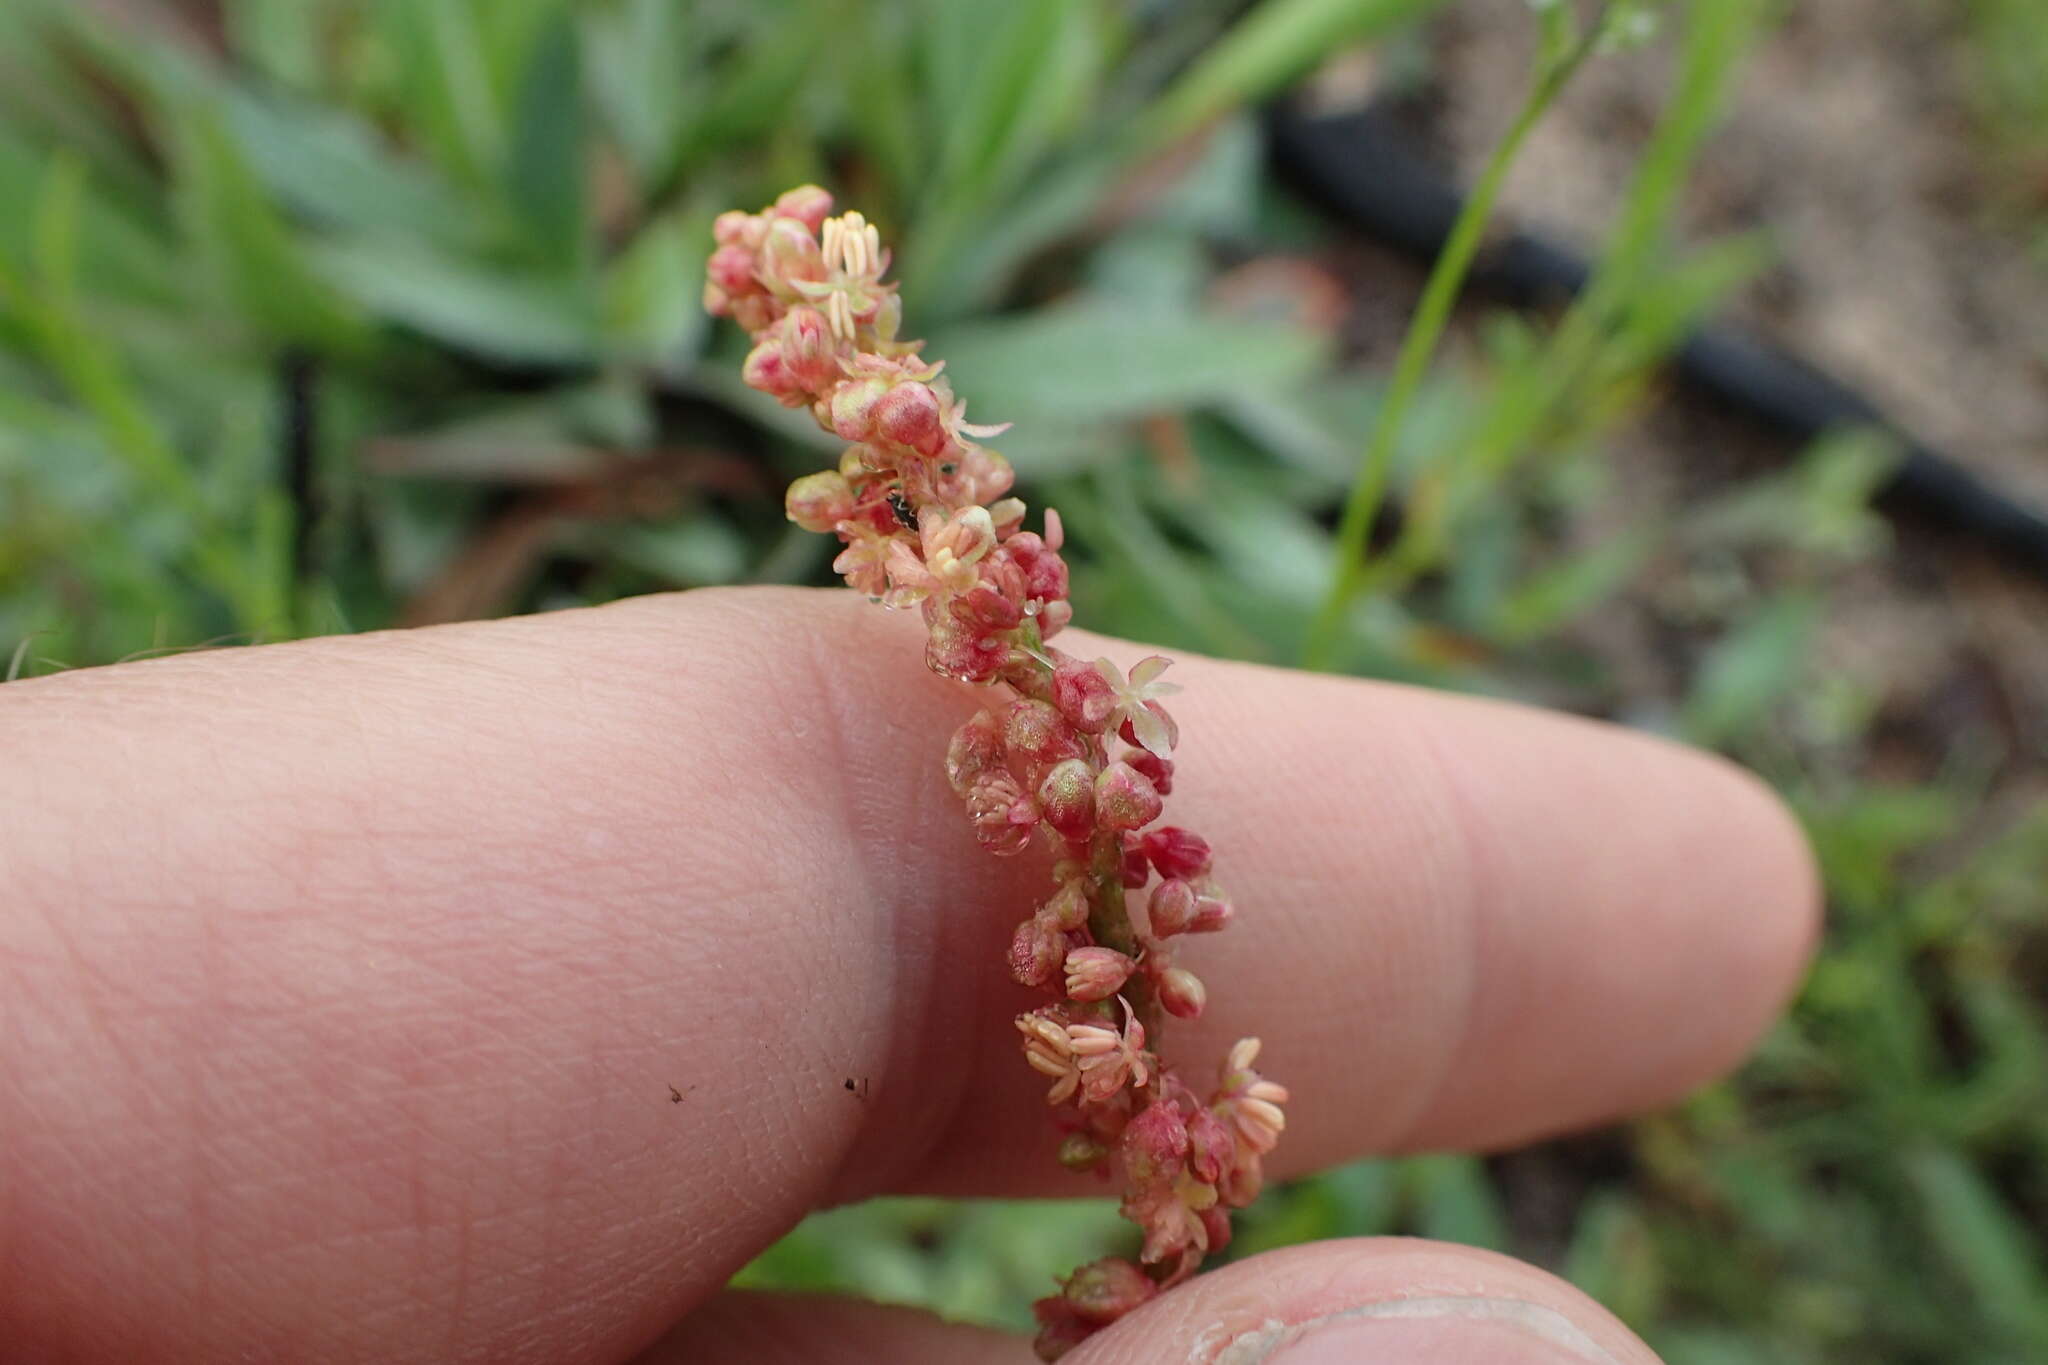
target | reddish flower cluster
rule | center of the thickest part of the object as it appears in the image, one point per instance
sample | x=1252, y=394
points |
x=1079, y=757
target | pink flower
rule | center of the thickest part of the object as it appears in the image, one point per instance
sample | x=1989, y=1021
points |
x=1097, y=973
x=848, y=283
x=1109, y=1058
x=1003, y=816
x=1135, y=701
x=1249, y=1101
x=865, y=562
x=1049, y=1050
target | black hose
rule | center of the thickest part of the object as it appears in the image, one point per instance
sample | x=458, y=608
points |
x=1363, y=170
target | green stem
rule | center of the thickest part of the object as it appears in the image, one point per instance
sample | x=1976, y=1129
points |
x=1432, y=315
x=1109, y=923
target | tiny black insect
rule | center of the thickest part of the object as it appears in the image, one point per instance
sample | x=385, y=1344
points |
x=901, y=507
x=860, y=1089
x=675, y=1096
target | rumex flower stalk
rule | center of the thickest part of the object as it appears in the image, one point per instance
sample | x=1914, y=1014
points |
x=1069, y=753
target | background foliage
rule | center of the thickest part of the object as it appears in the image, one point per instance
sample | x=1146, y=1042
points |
x=319, y=317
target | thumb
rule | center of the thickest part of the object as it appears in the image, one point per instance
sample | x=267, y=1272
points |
x=1382, y=1301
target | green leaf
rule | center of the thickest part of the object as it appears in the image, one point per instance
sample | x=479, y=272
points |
x=1455, y=1201
x=545, y=173
x=652, y=293
x=641, y=78
x=1559, y=594
x=1750, y=669
x=445, y=83
x=327, y=164
x=247, y=246
x=283, y=39
x=1088, y=363
x=465, y=305
x=1984, y=1243
x=1268, y=48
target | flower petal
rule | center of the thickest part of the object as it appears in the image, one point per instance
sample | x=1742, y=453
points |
x=1145, y=670
x=1152, y=731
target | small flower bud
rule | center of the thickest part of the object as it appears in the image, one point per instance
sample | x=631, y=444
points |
x=1036, y=951
x=1211, y=1146
x=977, y=748
x=1213, y=910
x=819, y=502
x=1069, y=906
x=1177, y=852
x=767, y=370
x=1155, y=1144
x=987, y=608
x=808, y=204
x=1136, y=870
x=1037, y=733
x=1067, y=796
x=957, y=649
x=1082, y=694
x=910, y=415
x=734, y=228
x=1105, y=1290
x=1053, y=618
x=731, y=268
x=1171, y=908
x=1045, y=573
x=1216, y=1224
x=1182, y=993
x=1007, y=515
x=790, y=253
x=1124, y=799
x=1158, y=771
x=853, y=406
x=1097, y=973
x=807, y=350
x=1081, y=1152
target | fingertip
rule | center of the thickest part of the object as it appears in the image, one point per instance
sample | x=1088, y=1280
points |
x=1371, y=1300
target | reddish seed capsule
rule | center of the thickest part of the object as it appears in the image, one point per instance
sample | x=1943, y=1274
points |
x=1124, y=799
x=1177, y=852
x=1182, y=993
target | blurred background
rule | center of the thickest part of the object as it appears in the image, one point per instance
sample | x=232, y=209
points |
x=324, y=315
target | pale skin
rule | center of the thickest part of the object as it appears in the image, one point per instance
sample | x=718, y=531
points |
x=348, y=986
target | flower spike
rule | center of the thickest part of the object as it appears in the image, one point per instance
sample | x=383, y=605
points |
x=926, y=522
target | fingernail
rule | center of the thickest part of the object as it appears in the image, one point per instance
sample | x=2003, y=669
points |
x=1439, y=1331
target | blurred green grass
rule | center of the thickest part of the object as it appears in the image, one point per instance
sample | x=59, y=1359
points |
x=319, y=317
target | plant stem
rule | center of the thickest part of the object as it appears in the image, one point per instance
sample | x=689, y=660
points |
x=1432, y=315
